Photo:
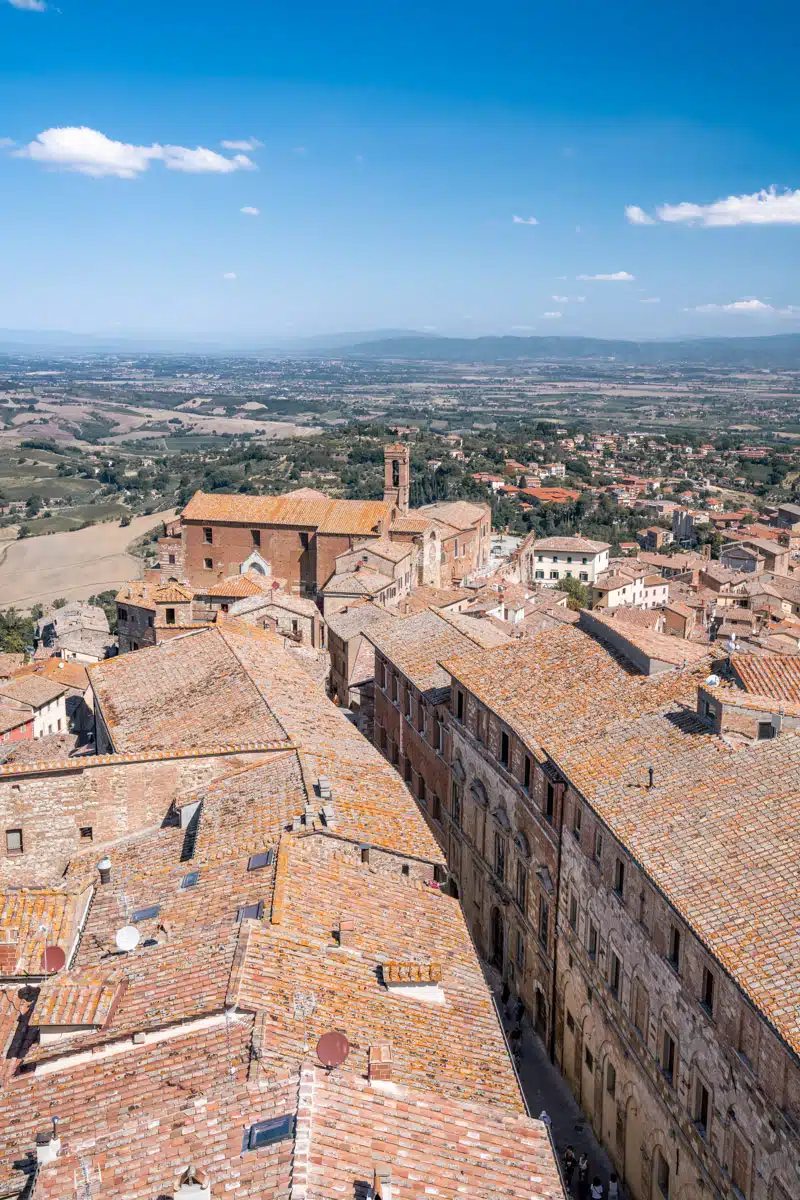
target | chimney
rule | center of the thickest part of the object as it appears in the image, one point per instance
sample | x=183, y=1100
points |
x=347, y=928
x=651, y=775
x=380, y=1063
x=104, y=867
x=193, y=1184
x=382, y=1181
x=48, y=1145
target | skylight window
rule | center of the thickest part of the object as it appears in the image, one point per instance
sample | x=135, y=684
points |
x=146, y=914
x=190, y=880
x=257, y=862
x=252, y=912
x=267, y=1133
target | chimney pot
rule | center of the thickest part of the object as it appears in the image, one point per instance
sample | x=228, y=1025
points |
x=47, y=1147
x=104, y=867
x=347, y=927
x=382, y=1181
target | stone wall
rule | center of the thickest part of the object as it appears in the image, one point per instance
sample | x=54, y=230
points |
x=611, y=1048
x=109, y=795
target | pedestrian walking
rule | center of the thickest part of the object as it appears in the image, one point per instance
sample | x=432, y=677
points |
x=570, y=1163
x=613, y=1187
x=597, y=1189
x=545, y=1118
x=583, y=1176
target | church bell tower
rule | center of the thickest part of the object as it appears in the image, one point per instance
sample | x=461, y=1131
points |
x=396, y=476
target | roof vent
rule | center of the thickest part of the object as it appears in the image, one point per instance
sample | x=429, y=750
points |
x=382, y=1181
x=324, y=787
x=347, y=928
x=328, y=814
x=48, y=1145
x=193, y=1184
x=104, y=867
x=380, y=1063
x=415, y=980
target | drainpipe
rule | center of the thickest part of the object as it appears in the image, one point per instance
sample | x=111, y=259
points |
x=555, y=930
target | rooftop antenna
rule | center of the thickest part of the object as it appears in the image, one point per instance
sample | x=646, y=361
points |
x=84, y=1179
x=304, y=1005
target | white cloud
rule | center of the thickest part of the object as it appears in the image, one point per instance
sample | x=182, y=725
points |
x=250, y=143
x=637, y=216
x=767, y=207
x=552, y=316
x=560, y=299
x=650, y=300
x=299, y=150
x=5, y=143
x=738, y=306
x=525, y=221
x=29, y=5
x=616, y=277
x=522, y=328
x=78, y=148
x=580, y=299
x=250, y=211
x=229, y=275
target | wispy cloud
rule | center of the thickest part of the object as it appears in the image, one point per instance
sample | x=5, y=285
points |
x=522, y=328
x=249, y=211
x=560, y=299
x=29, y=5
x=250, y=143
x=552, y=316
x=767, y=207
x=229, y=275
x=525, y=220
x=614, y=277
x=637, y=216
x=78, y=148
x=650, y=300
x=737, y=306
x=6, y=142
x=299, y=150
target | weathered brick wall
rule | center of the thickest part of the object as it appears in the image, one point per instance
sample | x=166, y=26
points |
x=130, y=793
x=136, y=629
x=232, y=544
x=614, y=1068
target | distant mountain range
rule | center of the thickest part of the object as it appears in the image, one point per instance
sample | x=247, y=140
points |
x=778, y=351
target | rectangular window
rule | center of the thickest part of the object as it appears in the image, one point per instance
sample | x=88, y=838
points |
x=250, y=912
x=577, y=815
x=766, y=730
x=459, y=705
x=598, y=846
x=86, y=833
x=614, y=974
x=589, y=1059
x=549, y=802
x=409, y=771
x=520, y=951
x=408, y=703
x=640, y=1009
x=169, y=616
x=554, y=574
x=662, y=1175
x=674, y=950
x=701, y=1108
x=522, y=886
x=499, y=856
x=255, y=534
x=544, y=922
x=526, y=774
x=13, y=841
x=591, y=941
x=456, y=806
x=573, y=910
x=421, y=716
x=504, y=749
x=171, y=559
x=303, y=541
x=208, y=535
x=611, y=1079
x=267, y=1133
x=208, y=564
x=421, y=791
x=619, y=878
x=707, y=999
x=668, y=1056
x=122, y=614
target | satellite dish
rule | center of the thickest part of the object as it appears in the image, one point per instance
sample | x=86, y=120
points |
x=53, y=959
x=332, y=1049
x=127, y=938
x=713, y=681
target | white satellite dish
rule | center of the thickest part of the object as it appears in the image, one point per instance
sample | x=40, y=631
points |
x=713, y=681
x=127, y=938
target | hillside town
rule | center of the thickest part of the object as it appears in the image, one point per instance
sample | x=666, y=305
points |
x=369, y=824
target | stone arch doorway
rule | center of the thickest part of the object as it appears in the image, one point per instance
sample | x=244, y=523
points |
x=453, y=885
x=498, y=940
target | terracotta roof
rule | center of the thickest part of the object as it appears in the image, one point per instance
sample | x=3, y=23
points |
x=573, y=545
x=409, y=524
x=657, y=646
x=182, y=692
x=236, y=586
x=173, y=593
x=32, y=690
x=138, y=593
x=392, y=551
x=357, y=583
x=12, y=718
x=75, y=1001
x=421, y=598
x=32, y=918
x=358, y=617
x=326, y=516
x=416, y=645
x=460, y=514
x=59, y=670
x=51, y=748
x=768, y=675
x=10, y=664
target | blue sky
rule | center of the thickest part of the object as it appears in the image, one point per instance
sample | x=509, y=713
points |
x=388, y=149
